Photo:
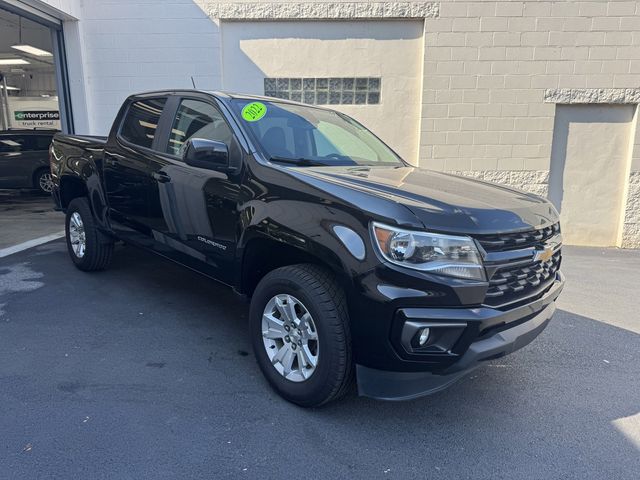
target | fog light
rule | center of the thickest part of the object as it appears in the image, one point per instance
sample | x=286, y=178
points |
x=424, y=336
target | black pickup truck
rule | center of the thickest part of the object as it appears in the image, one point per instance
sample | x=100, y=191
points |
x=358, y=266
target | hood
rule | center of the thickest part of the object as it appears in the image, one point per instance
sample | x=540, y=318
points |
x=445, y=202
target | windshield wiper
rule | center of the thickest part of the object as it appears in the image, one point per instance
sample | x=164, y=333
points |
x=302, y=162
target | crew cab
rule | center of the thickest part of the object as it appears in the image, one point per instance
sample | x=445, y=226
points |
x=359, y=267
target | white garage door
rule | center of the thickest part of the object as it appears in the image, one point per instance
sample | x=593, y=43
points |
x=369, y=70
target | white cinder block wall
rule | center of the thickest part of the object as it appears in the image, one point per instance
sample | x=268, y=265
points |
x=138, y=45
x=493, y=70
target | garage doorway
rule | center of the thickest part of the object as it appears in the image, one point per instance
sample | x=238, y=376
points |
x=371, y=70
x=590, y=161
x=33, y=89
x=29, y=96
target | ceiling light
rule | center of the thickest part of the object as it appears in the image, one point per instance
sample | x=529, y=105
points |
x=9, y=88
x=38, y=52
x=13, y=61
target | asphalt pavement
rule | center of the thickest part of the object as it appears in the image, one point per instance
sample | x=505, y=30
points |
x=26, y=215
x=145, y=371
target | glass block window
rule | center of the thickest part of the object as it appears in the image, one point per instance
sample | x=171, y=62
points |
x=326, y=91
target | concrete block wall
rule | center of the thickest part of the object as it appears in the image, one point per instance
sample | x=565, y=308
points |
x=138, y=45
x=494, y=71
x=488, y=65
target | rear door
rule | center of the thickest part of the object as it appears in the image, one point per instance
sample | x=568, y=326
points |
x=127, y=157
x=194, y=211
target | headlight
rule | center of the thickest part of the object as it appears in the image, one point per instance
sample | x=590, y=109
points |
x=431, y=252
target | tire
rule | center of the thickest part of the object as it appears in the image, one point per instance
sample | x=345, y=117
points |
x=43, y=182
x=79, y=226
x=317, y=291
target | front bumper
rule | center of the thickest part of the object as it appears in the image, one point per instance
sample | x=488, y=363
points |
x=499, y=333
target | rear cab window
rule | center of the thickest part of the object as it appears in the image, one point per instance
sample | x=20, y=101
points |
x=140, y=124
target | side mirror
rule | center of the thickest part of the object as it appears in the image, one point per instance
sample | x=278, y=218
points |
x=209, y=154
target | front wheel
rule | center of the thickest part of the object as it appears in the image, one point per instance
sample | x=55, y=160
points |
x=300, y=334
x=89, y=249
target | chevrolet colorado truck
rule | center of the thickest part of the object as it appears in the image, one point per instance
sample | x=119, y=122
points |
x=359, y=267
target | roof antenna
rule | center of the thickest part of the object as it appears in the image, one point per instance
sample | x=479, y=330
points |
x=194, y=83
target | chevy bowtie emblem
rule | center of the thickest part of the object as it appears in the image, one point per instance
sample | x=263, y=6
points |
x=543, y=255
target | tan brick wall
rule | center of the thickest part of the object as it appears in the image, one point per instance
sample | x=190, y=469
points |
x=494, y=71
x=488, y=65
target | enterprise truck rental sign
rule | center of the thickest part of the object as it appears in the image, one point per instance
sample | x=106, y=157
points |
x=37, y=118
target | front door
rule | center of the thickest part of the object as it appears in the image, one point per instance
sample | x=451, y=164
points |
x=194, y=211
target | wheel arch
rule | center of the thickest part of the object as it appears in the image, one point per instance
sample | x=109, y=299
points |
x=72, y=187
x=262, y=255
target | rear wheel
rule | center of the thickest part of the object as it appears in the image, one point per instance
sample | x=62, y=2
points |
x=89, y=249
x=300, y=334
x=43, y=181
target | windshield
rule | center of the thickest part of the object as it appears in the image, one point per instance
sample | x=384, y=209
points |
x=302, y=135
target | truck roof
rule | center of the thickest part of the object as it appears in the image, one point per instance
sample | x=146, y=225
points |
x=222, y=95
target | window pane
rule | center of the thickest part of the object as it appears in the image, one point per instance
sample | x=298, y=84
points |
x=196, y=119
x=11, y=144
x=140, y=124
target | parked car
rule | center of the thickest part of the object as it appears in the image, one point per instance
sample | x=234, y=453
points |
x=24, y=159
x=356, y=263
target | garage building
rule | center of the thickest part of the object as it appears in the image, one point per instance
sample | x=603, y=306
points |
x=540, y=95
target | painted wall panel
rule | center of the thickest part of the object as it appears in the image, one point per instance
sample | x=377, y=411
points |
x=391, y=50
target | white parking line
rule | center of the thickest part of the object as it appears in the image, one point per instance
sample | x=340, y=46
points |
x=5, y=252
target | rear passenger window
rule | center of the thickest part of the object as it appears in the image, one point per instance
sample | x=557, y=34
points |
x=196, y=119
x=141, y=122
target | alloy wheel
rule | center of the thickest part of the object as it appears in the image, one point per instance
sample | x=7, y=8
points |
x=290, y=337
x=77, y=235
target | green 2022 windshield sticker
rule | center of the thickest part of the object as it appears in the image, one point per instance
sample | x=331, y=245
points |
x=254, y=111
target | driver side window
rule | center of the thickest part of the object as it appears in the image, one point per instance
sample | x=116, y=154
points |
x=197, y=119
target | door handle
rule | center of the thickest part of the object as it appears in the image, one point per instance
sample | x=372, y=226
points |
x=110, y=161
x=161, y=177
